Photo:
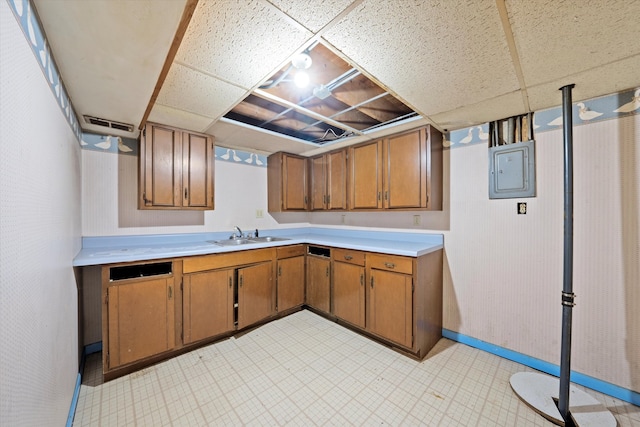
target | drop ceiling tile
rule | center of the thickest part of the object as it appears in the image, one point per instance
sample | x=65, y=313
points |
x=107, y=50
x=198, y=93
x=497, y=108
x=313, y=15
x=557, y=39
x=604, y=80
x=437, y=56
x=179, y=118
x=243, y=42
x=230, y=133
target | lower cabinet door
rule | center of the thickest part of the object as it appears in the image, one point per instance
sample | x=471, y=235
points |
x=141, y=320
x=348, y=293
x=255, y=293
x=207, y=304
x=290, y=282
x=391, y=306
x=319, y=283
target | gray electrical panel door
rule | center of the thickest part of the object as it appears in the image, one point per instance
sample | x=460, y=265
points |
x=512, y=171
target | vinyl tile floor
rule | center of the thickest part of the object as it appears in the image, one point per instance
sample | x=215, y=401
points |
x=304, y=370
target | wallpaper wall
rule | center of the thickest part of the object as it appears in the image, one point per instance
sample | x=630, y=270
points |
x=39, y=236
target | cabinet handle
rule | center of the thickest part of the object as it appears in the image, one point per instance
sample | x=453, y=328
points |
x=389, y=265
x=186, y=193
x=170, y=291
x=328, y=199
x=280, y=270
x=386, y=195
x=378, y=196
x=230, y=282
x=348, y=257
x=240, y=281
x=372, y=283
x=327, y=271
x=361, y=279
x=324, y=199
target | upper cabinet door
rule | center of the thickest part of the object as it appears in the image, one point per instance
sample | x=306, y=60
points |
x=176, y=169
x=336, y=180
x=287, y=182
x=413, y=170
x=405, y=176
x=160, y=163
x=365, y=176
x=197, y=171
x=317, y=168
x=328, y=181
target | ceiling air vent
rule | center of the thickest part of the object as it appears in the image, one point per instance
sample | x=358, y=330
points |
x=108, y=123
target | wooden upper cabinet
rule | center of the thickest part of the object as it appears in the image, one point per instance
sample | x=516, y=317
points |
x=412, y=170
x=365, y=176
x=175, y=169
x=329, y=181
x=287, y=182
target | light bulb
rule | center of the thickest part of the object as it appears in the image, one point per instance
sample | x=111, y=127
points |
x=301, y=79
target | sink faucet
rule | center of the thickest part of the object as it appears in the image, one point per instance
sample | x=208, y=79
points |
x=239, y=232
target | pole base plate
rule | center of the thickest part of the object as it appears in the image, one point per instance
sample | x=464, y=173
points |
x=540, y=392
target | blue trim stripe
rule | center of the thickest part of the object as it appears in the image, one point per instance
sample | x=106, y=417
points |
x=547, y=367
x=74, y=401
x=96, y=347
x=88, y=349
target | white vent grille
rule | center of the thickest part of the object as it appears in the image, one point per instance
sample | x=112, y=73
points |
x=108, y=123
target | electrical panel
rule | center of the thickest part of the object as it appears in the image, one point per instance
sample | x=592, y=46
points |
x=512, y=172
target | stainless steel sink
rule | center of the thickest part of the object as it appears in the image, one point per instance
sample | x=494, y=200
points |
x=269, y=239
x=247, y=241
x=233, y=242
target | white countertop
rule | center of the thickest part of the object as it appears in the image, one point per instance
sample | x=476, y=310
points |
x=116, y=249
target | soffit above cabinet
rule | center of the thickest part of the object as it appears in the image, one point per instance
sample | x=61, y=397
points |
x=455, y=63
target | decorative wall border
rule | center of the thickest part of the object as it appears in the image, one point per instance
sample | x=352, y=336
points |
x=32, y=28
x=233, y=155
x=129, y=146
x=622, y=104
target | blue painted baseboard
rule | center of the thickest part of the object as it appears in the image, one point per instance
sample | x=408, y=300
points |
x=547, y=367
x=88, y=349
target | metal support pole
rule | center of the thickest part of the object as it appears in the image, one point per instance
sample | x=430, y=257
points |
x=567, y=286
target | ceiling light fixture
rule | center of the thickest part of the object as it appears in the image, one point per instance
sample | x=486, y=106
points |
x=301, y=79
x=301, y=62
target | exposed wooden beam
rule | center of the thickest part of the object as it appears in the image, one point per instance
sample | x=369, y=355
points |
x=189, y=9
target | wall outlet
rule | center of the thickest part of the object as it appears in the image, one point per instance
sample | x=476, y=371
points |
x=522, y=208
x=342, y=217
x=416, y=220
x=259, y=213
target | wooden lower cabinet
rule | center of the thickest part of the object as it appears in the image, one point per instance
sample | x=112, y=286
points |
x=290, y=283
x=397, y=299
x=255, y=294
x=207, y=301
x=319, y=283
x=391, y=306
x=140, y=320
x=348, y=286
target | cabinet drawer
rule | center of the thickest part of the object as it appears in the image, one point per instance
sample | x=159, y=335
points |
x=289, y=251
x=398, y=264
x=229, y=259
x=348, y=255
